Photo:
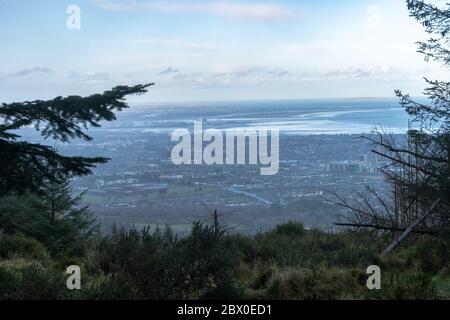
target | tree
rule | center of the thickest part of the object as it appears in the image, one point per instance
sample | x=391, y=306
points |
x=419, y=169
x=25, y=166
x=54, y=217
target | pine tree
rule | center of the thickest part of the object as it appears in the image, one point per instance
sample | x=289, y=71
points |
x=24, y=166
x=54, y=217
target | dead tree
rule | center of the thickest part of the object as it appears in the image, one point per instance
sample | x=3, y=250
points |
x=418, y=168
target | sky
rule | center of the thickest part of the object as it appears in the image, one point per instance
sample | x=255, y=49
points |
x=207, y=50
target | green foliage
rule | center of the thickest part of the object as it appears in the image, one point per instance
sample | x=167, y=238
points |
x=138, y=260
x=441, y=282
x=316, y=284
x=436, y=21
x=53, y=218
x=38, y=283
x=32, y=283
x=21, y=246
x=206, y=259
x=418, y=163
x=291, y=229
x=291, y=245
x=210, y=264
x=25, y=166
x=415, y=285
x=429, y=255
x=9, y=283
x=430, y=150
x=157, y=265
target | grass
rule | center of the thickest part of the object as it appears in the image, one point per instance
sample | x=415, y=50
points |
x=287, y=262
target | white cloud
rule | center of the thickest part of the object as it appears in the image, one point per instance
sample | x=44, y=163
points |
x=92, y=77
x=169, y=70
x=278, y=72
x=177, y=43
x=376, y=72
x=111, y=5
x=260, y=76
x=36, y=71
x=244, y=11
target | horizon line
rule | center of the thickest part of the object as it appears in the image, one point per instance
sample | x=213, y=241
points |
x=271, y=99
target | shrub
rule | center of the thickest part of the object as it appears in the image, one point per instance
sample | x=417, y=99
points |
x=413, y=285
x=289, y=246
x=243, y=247
x=208, y=262
x=9, y=282
x=39, y=283
x=430, y=255
x=156, y=265
x=442, y=283
x=319, y=284
x=32, y=282
x=291, y=229
x=21, y=246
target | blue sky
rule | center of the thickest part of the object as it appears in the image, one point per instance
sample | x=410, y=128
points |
x=211, y=50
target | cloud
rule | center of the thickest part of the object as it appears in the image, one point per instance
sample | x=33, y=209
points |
x=237, y=76
x=177, y=43
x=257, y=76
x=110, y=5
x=89, y=77
x=278, y=72
x=243, y=11
x=193, y=77
x=253, y=72
x=360, y=73
x=169, y=70
x=36, y=71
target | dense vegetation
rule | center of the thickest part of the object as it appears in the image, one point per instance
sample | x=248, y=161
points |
x=288, y=262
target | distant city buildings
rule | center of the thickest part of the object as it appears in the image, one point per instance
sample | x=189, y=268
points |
x=354, y=166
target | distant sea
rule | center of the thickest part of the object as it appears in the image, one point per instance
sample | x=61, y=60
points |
x=343, y=116
x=293, y=117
